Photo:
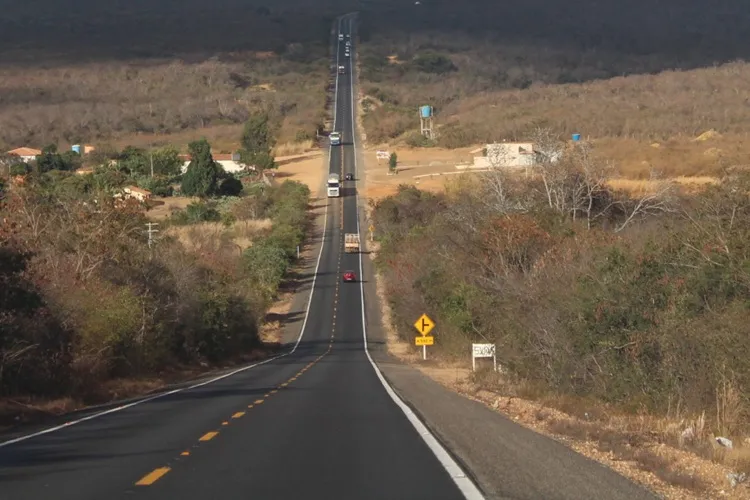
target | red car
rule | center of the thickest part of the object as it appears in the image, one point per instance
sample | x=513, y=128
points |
x=350, y=276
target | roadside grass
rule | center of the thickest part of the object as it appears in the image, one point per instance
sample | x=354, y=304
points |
x=213, y=237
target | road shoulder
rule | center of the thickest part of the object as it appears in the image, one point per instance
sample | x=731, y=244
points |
x=503, y=457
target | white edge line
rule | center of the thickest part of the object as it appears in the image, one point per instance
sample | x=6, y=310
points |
x=467, y=487
x=226, y=375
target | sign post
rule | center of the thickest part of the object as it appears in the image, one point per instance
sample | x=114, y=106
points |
x=424, y=326
x=482, y=351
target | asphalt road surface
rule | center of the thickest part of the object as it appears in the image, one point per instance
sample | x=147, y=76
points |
x=317, y=422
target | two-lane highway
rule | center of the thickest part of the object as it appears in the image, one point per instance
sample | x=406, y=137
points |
x=317, y=422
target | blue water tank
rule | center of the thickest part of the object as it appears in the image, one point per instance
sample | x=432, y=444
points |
x=76, y=148
x=426, y=111
x=576, y=137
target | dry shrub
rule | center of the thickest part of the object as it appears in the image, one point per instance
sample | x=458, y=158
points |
x=294, y=148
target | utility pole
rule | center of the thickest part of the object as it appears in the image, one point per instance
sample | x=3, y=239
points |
x=151, y=154
x=151, y=231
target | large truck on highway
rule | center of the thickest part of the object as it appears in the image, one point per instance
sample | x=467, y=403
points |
x=334, y=186
x=351, y=242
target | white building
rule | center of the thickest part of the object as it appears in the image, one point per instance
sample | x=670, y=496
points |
x=26, y=154
x=230, y=162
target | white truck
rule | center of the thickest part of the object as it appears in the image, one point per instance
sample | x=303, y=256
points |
x=334, y=186
x=351, y=242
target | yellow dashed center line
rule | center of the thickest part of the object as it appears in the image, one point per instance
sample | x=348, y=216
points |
x=208, y=436
x=152, y=476
x=156, y=474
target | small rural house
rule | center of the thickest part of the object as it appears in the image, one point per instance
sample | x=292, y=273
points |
x=230, y=162
x=507, y=154
x=26, y=154
x=134, y=192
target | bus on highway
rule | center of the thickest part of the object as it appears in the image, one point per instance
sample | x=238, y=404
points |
x=334, y=185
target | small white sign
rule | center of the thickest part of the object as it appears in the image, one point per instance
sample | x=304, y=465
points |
x=482, y=351
x=382, y=155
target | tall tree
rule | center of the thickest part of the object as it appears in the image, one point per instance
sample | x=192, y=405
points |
x=201, y=178
x=257, y=137
x=258, y=140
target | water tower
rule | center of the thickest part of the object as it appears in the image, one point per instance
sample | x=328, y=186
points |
x=425, y=121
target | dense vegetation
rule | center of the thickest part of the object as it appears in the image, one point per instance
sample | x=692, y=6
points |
x=84, y=299
x=644, y=312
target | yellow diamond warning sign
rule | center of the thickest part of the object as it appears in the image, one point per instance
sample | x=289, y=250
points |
x=424, y=325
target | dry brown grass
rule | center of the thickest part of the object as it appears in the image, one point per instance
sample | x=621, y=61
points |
x=162, y=208
x=503, y=91
x=294, y=148
x=644, y=186
x=213, y=237
x=150, y=102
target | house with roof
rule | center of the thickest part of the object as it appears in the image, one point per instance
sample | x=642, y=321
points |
x=134, y=192
x=26, y=154
x=510, y=155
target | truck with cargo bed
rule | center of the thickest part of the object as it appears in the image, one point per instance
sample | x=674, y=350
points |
x=351, y=242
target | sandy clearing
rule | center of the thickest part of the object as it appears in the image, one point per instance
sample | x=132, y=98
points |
x=307, y=168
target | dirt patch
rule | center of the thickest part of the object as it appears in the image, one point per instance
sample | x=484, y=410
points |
x=162, y=207
x=263, y=87
x=223, y=138
x=305, y=168
x=429, y=169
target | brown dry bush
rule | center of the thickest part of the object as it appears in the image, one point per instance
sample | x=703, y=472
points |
x=85, y=301
x=99, y=72
x=541, y=64
x=648, y=319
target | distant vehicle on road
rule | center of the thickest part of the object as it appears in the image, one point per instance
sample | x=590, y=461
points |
x=348, y=35
x=349, y=276
x=341, y=36
x=334, y=186
x=346, y=53
x=349, y=177
x=348, y=43
x=351, y=242
x=335, y=138
x=341, y=70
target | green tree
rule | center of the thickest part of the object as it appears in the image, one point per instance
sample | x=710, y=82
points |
x=201, y=178
x=167, y=162
x=393, y=161
x=257, y=142
x=231, y=186
x=133, y=161
x=20, y=169
x=50, y=159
